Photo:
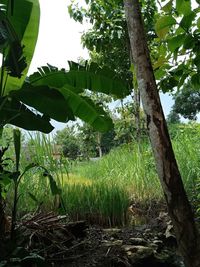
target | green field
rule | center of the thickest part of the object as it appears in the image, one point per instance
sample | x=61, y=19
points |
x=102, y=191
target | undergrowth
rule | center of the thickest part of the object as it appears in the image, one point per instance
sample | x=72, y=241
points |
x=102, y=191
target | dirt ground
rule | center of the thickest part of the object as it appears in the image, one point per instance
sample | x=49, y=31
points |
x=140, y=246
x=47, y=240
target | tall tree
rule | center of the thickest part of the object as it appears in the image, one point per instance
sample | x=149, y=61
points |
x=177, y=202
x=108, y=42
x=67, y=139
x=187, y=102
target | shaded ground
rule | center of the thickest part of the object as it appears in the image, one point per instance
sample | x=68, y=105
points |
x=49, y=240
x=123, y=247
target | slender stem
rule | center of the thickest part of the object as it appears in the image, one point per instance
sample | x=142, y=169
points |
x=14, y=212
x=4, y=87
x=2, y=74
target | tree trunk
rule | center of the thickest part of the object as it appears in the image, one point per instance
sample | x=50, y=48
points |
x=178, y=205
x=137, y=112
x=136, y=99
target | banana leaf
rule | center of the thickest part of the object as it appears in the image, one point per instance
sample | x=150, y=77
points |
x=46, y=100
x=58, y=93
x=22, y=20
x=89, y=77
x=16, y=113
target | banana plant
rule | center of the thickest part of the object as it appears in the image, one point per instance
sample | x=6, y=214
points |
x=53, y=93
x=19, y=24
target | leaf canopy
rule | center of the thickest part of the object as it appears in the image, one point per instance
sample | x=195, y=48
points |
x=183, y=7
x=163, y=25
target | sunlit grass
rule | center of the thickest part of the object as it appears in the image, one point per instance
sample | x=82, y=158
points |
x=101, y=191
x=187, y=149
x=130, y=167
x=73, y=179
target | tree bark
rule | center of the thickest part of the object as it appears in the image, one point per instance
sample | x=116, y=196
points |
x=178, y=205
x=136, y=99
x=137, y=112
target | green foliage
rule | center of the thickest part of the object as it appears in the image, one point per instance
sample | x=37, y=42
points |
x=101, y=191
x=7, y=175
x=129, y=166
x=187, y=102
x=93, y=143
x=173, y=117
x=125, y=124
x=11, y=175
x=68, y=140
x=104, y=195
x=4, y=173
x=48, y=83
x=186, y=146
x=19, y=30
x=183, y=7
x=79, y=77
x=99, y=203
x=7, y=136
x=85, y=142
x=133, y=167
x=178, y=50
x=15, y=113
x=107, y=141
x=108, y=40
x=17, y=146
x=88, y=141
x=163, y=25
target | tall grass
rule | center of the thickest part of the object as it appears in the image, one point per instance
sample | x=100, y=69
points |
x=187, y=149
x=101, y=191
x=39, y=150
x=98, y=203
x=130, y=167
